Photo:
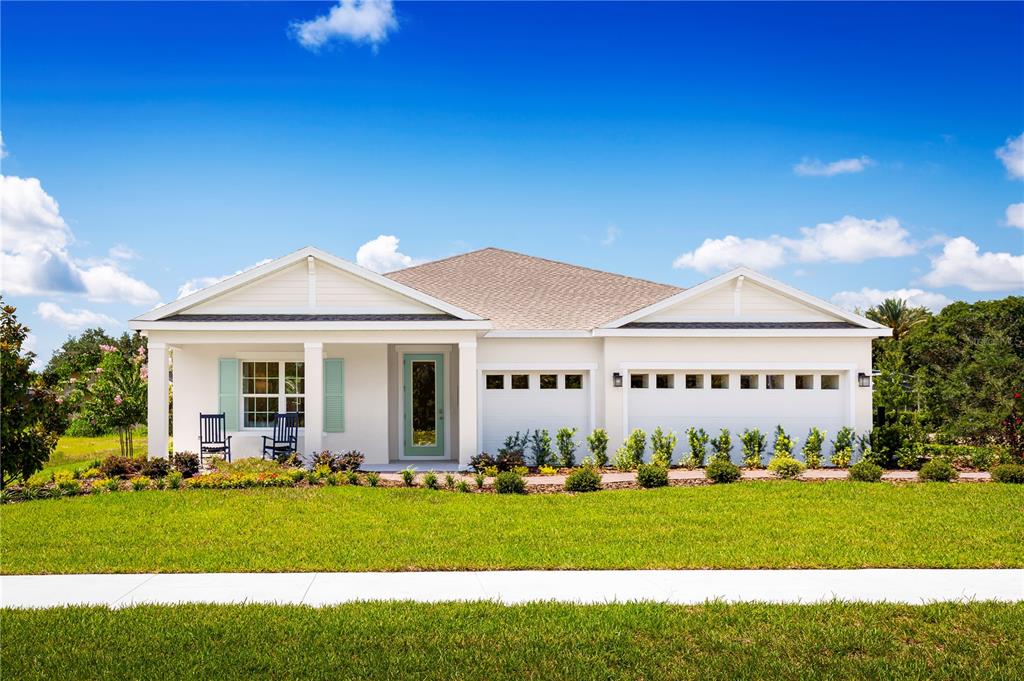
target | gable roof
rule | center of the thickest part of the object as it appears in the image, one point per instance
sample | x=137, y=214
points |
x=181, y=305
x=517, y=291
x=853, y=320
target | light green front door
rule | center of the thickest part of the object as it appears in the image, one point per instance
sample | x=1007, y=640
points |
x=424, y=406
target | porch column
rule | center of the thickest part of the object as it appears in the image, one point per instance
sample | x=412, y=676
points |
x=156, y=401
x=314, y=366
x=468, y=446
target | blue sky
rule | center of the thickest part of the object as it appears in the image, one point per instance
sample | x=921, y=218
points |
x=836, y=147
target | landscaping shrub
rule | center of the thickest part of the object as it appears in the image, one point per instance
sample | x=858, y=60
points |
x=509, y=482
x=786, y=466
x=321, y=473
x=373, y=478
x=449, y=481
x=631, y=453
x=597, y=442
x=812, y=447
x=651, y=475
x=481, y=461
x=512, y=453
x=155, y=468
x=480, y=478
x=722, y=471
x=462, y=486
x=722, y=445
x=324, y=459
x=174, y=479
x=351, y=460
x=115, y=466
x=662, y=446
x=911, y=456
x=110, y=484
x=430, y=480
x=186, y=463
x=842, y=447
x=937, y=470
x=548, y=470
x=89, y=473
x=540, y=446
x=66, y=483
x=140, y=483
x=866, y=471
x=585, y=479
x=352, y=477
x=1008, y=472
x=408, y=476
x=566, y=446
x=784, y=444
x=864, y=448
x=753, y=447
x=698, y=440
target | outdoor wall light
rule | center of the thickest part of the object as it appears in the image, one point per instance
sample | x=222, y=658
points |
x=617, y=379
x=863, y=380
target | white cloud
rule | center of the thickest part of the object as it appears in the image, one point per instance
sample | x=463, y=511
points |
x=849, y=239
x=199, y=283
x=852, y=239
x=1012, y=155
x=3, y=149
x=1015, y=215
x=35, y=257
x=122, y=252
x=812, y=167
x=960, y=264
x=732, y=251
x=76, y=319
x=382, y=255
x=611, y=235
x=869, y=297
x=361, y=21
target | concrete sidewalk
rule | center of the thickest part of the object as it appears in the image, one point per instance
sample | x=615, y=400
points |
x=577, y=586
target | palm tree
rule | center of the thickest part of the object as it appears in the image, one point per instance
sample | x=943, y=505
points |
x=897, y=315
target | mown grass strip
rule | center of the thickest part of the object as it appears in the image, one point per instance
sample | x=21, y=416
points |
x=753, y=525
x=535, y=641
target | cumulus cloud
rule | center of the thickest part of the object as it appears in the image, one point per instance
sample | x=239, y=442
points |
x=611, y=235
x=732, y=251
x=961, y=264
x=199, y=283
x=849, y=239
x=869, y=297
x=1012, y=155
x=359, y=21
x=812, y=167
x=35, y=256
x=74, y=319
x=382, y=255
x=1015, y=215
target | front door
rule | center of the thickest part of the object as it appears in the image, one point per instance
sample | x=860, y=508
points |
x=424, y=406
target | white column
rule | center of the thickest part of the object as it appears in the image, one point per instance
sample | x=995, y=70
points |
x=468, y=436
x=156, y=401
x=314, y=429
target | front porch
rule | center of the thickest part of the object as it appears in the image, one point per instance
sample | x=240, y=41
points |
x=402, y=399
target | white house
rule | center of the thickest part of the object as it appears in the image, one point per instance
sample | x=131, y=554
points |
x=436, y=363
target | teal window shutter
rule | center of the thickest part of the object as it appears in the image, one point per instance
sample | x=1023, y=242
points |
x=229, y=385
x=334, y=396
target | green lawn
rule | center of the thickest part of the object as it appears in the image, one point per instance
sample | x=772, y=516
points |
x=536, y=641
x=73, y=452
x=748, y=525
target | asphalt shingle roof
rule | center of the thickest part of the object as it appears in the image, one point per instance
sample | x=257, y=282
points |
x=309, y=318
x=517, y=291
x=740, y=325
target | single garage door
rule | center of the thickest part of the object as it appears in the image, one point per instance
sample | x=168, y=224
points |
x=737, y=400
x=528, y=400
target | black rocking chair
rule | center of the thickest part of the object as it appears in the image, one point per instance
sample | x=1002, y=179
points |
x=285, y=439
x=213, y=437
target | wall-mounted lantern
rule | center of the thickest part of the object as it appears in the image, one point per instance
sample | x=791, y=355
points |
x=864, y=380
x=617, y=379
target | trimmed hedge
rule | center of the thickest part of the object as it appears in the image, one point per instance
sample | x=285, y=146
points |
x=585, y=479
x=650, y=475
x=720, y=470
x=865, y=471
x=937, y=470
x=1008, y=472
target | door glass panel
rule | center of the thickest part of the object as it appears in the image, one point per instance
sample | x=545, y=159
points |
x=424, y=407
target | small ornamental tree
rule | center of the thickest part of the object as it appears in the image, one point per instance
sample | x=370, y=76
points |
x=662, y=446
x=753, y=447
x=31, y=414
x=116, y=400
x=812, y=447
x=597, y=442
x=566, y=446
x=784, y=444
x=698, y=440
x=540, y=444
x=722, y=446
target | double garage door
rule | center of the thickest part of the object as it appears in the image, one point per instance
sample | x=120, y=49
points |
x=531, y=400
x=737, y=400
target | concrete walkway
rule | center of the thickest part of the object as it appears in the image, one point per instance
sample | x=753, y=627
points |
x=588, y=586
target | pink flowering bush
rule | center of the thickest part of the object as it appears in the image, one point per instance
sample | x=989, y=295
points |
x=116, y=399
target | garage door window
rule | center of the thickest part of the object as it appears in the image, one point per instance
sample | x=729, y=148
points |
x=520, y=381
x=574, y=381
x=830, y=382
x=719, y=381
x=694, y=381
x=774, y=382
x=639, y=380
x=805, y=382
x=496, y=382
x=665, y=381
x=548, y=381
x=748, y=382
